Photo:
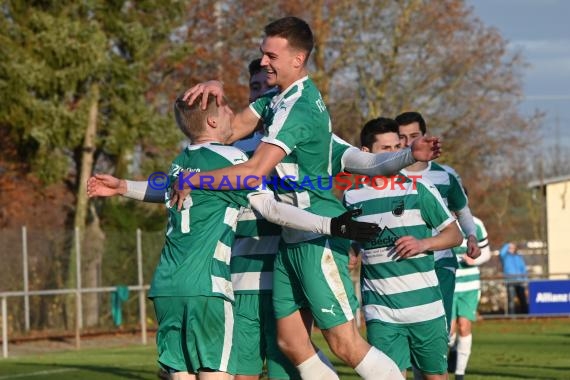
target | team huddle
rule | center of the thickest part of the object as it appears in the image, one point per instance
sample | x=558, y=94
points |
x=246, y=272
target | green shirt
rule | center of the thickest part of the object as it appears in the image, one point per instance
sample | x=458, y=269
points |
x=195, y=259
x=297, y=121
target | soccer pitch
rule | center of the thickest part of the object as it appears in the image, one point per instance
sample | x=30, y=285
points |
x=509, y=349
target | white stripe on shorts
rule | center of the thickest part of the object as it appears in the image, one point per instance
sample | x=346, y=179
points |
x=228, y=336
x=332, y=276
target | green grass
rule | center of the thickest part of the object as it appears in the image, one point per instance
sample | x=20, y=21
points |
x=533, y=349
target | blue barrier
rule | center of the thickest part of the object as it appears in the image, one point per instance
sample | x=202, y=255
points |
x=549, y=297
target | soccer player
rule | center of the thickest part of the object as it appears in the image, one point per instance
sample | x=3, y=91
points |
x=310, y=270
x=401, y=299
x=191, y=288
x=411, y=126
x=466, y=300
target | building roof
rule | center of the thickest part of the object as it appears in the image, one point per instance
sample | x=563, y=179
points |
x=548, y=181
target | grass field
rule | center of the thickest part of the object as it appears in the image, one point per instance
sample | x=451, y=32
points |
x=510, y=349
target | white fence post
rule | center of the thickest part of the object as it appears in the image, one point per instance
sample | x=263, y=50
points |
x=142, y=306
x=26, y=280
x=78, y=304
x=4, y=328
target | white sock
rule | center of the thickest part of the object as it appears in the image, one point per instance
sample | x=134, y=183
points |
x=377, y=366
x=314, y=369
x=325, y=360
x=463, y=353
x=452, y=340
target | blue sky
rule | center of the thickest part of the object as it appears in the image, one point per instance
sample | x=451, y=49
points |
x=541, y=31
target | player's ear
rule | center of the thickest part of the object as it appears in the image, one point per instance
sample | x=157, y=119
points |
x=364, y=149
x=300, y=58
x=212, y=121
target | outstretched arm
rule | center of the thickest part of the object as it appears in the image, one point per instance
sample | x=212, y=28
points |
x=294, y=217
x=248, y=174
x=359, y=162
x=104, y=185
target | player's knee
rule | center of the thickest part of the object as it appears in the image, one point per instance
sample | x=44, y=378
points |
x=464, y=328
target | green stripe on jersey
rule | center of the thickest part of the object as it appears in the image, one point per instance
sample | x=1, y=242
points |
x=453, y=195
x=298, y=122
x=400, y=291
x=196, y=254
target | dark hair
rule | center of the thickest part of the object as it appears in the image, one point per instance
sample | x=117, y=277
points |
x=254, y=67
x=375, y=127
x=296, y=31
x=412, y=117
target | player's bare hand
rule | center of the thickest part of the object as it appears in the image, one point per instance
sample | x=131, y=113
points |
x=409, y=246
x=104, y=185
x=468, y=260
x=473, y=250
x=426, y=148
x=213, y=87
x=178, y=194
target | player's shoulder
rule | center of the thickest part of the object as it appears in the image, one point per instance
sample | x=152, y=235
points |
x=220, y=152
x=425, y=184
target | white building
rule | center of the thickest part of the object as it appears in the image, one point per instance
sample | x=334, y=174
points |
x=556, y=191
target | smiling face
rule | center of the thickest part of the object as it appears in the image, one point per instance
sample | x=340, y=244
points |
x=284, y=64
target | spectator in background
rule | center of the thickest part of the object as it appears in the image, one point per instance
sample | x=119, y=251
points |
x=514, y=270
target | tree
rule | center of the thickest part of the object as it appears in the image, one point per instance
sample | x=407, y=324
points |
x=74, y=76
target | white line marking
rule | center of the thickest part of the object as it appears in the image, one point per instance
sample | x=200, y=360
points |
x=39, y=373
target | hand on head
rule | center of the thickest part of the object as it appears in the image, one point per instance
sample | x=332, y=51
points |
x=213, y=87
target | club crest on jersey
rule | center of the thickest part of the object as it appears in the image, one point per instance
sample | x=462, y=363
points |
x=398, y=208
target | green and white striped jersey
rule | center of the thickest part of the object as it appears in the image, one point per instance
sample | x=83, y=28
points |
x=297, y=121
x=400, y=291
x=467, y=277
x=195, y=259
x=257, y=240
x=256, y=243
x=453, y=196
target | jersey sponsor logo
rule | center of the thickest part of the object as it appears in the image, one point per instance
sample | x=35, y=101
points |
x=386, y=238
x=329, y=311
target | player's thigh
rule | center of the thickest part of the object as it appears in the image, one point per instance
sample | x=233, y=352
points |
x=467, y=304
x=170, y=335
x=428, y=346
x=210, y=325
x=390, y=339
x=248, y=348
x=326, y=283
x=278, y=366
x=288, y=296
